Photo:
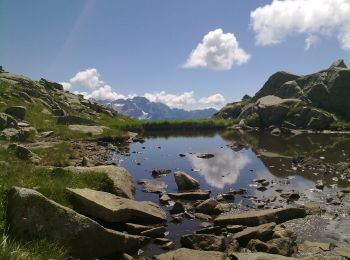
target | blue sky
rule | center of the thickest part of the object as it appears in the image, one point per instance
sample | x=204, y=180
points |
x=138, y=47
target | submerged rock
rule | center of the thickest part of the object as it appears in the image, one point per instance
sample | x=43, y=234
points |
x=205, y=155
x=158, y=172
x=31, y=216
x=185, y=181
x=258, y=217
x=111, y=208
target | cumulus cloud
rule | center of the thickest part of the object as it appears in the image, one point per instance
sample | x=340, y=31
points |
x=89, y=78
x=274, y=22
x=216, y=100
x=218, y=51
x=172, y=100
x=186, y=100
x=106, y=93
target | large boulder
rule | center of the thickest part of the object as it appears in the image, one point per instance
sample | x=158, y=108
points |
x=190, y=254
x=17, y=111
x=311, y=118
x=7, y=121
x=110, y=208
x=230, y=111
x=122, y=181
x=203, y=242
x=258, y=217
x=185, y=181
x=24, y=153
x=31, y=216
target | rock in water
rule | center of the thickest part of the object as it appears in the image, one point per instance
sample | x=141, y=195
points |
x=121, y=178
x=17, y=111
x=185, y=181
x=191, y=195
x=32, y=216
x=110, y=208
x=190, y=254
x=207, y=207
x=258, y=217
x=203, y=242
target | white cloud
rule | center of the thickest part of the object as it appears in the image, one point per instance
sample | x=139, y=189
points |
x=218, y=51
x=310, y=41
x=216, y=100
x=89, y=78
x=66, y=85
x=274, y=22
x=172, y=100
x=106, y=93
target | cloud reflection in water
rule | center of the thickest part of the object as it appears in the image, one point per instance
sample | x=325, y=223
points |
x=223, y=169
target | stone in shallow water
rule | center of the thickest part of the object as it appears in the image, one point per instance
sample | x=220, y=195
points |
x=203, y=242
x=193, y=195
x=152, y=186
x=257, y=217
x=111, y=208
x=185, y=181
x=263, y=232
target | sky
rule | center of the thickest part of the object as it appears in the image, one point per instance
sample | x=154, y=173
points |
x=185, y=53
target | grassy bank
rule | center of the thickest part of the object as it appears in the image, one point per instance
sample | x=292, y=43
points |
x=51, y=183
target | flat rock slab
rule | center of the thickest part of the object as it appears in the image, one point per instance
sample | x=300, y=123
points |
x=110, y=208
x=263, y=232
x=190, y=254
x=88, y=129
x=260, y=256
x=121, y=178
x=31, y=216
x=152, y=186
x=258, y=217
x=191, y=195
x=206, y=242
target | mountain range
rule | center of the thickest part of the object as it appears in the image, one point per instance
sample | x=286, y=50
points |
x=143, y=109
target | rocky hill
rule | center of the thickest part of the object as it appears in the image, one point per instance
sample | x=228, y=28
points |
x=32, y=108
x=143, y=109
x=312, y=101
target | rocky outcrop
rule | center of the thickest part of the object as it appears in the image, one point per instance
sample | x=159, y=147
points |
x=258, y=217
x=7, y=121
x=110, y=208
x=121, y=178
x=19, y=112
x=185, y=181
x=313, y=101
x=32, y=216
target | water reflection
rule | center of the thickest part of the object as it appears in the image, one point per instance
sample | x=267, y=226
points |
x=223, y=169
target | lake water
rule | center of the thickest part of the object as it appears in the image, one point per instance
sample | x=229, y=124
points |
x=256, y=155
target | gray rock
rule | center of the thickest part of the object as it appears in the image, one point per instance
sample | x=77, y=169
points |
x=51, y=85
x=24, y=153
x=7, y=121
x=31, y=216
x=185, y=181
x=12, y=134
x=122, y=181
x=263, y=232
x=190, y=254
x=254, y=218
x=158, y=172
x=154, y=232
x=177, y=208
x=111, y=208
x=207, y=207
x=152, y=186
x=191, y=195
x=17, y=111
x=203, y=242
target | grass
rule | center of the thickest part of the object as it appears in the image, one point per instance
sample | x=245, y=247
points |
x=52, y=183
x=340, y=125
x=58, y=155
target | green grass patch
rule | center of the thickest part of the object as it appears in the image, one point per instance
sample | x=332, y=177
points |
x=52, y=183
x=58, y=155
